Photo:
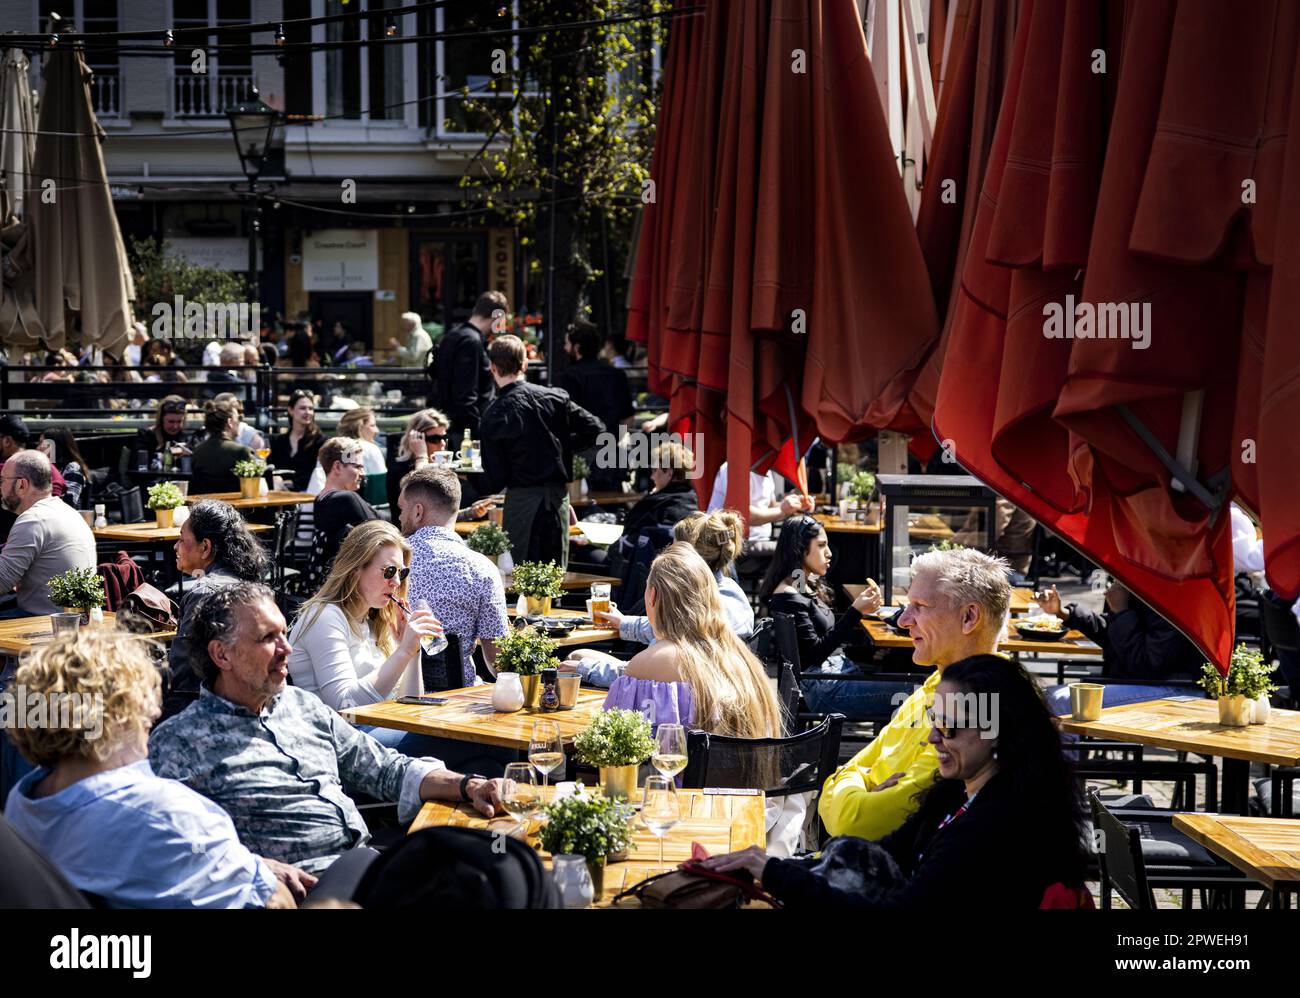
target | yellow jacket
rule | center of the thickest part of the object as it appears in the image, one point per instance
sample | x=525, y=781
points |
x=849, y=805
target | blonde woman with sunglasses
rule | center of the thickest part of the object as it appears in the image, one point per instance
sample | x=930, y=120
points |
x=353, y=642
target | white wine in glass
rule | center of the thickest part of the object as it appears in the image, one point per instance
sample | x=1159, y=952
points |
x=669, y=755
x=519, y=794
x=660, y=810
x=546, y=749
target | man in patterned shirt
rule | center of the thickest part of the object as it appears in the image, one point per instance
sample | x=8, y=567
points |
x=276, y=758
x=463, y=588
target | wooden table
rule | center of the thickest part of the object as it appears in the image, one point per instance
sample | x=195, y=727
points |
x=721, y=822
x=582, y=580
x=151, y=533
x=583, y=634
x=834, y=524
x=609, y=499
x=21, y=634
x=1073, y=643
x=467, y=716
x=1020, y=598
x=273, y=498
x=467, y=527
x=1264, y=849
x=1192, y=725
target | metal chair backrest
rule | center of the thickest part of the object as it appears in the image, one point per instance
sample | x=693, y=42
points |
x=787, y=642
x=132, y=505
x=444, y=670
x=787, y=692
x=286, y=525
x=1279, y=624
x=778, y=766
x=1119, y=853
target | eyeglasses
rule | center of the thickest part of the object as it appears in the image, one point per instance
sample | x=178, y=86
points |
x=13, y=478
x=946, y=733
x=435, y=438
x=391, y=570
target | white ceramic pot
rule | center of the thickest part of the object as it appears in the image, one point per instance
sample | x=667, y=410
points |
x=508, y=693
x=1262, y=707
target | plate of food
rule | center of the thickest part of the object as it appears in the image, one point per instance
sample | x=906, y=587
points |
x=1040, y=629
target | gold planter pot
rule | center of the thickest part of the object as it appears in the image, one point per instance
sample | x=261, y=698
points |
x=249, y=487
x=166, y=517
x=619, y=781
x=538, y=606
x=1235, y=711
x=532, y=689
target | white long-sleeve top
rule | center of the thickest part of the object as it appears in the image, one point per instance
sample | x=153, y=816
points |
x=1247, y=549
x=340, y=662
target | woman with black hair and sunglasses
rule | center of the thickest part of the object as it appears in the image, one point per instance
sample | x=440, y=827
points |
x=794, y=585
x=1000, y=829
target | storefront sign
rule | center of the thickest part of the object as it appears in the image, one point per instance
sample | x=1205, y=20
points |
x=220, y=253
x=341, y=260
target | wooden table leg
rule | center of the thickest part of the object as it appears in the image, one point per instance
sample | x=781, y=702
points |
x=1235, y=796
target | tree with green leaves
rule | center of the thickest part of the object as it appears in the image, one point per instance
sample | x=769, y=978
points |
x=161, y=276
x=567, y=158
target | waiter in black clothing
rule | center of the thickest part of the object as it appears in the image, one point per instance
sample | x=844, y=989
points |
x=462, y=383
x=529, y=436
x=600, y=388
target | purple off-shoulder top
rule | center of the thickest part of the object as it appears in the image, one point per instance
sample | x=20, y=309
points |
x=664, y=703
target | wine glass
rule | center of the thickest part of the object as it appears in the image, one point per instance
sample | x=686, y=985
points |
x=669, y=755
x=660, y=810
x=263, y=452
x=519, y=793
x=546, y=748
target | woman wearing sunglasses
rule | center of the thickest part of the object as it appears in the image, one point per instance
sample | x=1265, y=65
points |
x=1001, y=825
x=425, y=435
x=352, y=643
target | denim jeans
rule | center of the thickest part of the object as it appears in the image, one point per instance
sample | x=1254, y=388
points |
x=856, y=699
x=1116, y=695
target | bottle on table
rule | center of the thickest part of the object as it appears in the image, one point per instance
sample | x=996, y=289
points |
x=550, y=698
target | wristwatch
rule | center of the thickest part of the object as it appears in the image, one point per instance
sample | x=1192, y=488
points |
x=464, y=782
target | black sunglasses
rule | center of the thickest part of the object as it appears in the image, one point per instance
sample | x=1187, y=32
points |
x=946, y=733
x=435, y=438
x=391, y=570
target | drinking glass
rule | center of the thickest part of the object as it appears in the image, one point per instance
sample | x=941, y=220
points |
x=519, y=791
x=65, y=623
x=546, y=749
x=263, y=452
x=600, y=597
x=669, y=755
x=660, y=810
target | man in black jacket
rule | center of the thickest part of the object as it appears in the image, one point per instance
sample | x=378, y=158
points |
x=529, y=438
x=462, y=383
x=1138, y=646
x=601, y=389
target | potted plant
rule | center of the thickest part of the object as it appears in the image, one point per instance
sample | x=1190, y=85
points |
x=862, y=486
x=163, y=500
x=616, y=742
x=490, y=541
x=593, y=827
x=577, y=487
x=249, y=472
x=1248, y=680
x=539, y=583
x=844, y=473
x=525, y=652
x=78, y=589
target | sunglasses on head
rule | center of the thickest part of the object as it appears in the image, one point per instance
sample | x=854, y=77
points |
x=174, y=407
x=391, y=570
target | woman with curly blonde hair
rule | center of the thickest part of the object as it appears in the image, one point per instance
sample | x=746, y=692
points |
x=80, y=710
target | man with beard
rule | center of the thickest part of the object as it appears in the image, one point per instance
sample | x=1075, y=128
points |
x=274, y=756
x=47, y=538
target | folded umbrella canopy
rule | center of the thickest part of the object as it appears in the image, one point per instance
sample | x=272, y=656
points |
x=780, y=251
x=1049, y=205
x=79, y=261
x=17, y=133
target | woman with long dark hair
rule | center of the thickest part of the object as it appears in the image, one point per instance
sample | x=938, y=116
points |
x=218, y=549
x=294, y=451
x=1001, y=825
x=794, y=585
x=59, y=445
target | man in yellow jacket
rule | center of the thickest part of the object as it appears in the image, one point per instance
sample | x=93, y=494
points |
x=956, y=607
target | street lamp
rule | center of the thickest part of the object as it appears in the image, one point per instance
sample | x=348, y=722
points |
x=259, y=138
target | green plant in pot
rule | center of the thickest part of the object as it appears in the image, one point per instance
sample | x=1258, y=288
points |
x=616, y=742
x=581, y=469
x=593, y=827
x=539, y=583
x=526, y=651
x=249, y=471
x=163, y=500
x=1243, y=691
x=490, y=541
x=77, y=589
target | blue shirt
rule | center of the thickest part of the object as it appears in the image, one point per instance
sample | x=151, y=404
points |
x=140, y=841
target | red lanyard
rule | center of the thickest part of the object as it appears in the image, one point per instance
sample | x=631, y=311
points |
x=949, y=820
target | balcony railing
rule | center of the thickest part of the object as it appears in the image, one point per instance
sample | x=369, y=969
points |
x=106, y=94
x=208, y=96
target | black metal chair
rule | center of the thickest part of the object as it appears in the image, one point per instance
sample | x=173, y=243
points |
x=131, y=505
x=286, y=526
x=777, y=766
x=443, y=670
x=1133, y=863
